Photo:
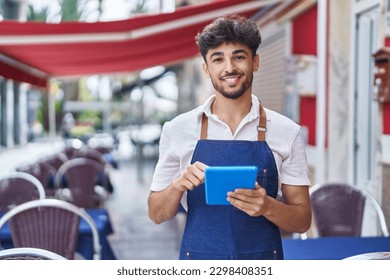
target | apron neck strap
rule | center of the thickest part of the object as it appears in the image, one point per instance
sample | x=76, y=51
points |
x=261, y=128
x=204, y=126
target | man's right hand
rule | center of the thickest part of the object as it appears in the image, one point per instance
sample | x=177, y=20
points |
x=191, y=177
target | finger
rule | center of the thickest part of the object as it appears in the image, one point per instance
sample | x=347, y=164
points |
x=200, y=165
x=194, y=180
x=188, y=185
x=249, y=208
x=242, y=200
x=197, y=170
x=249, y=192
x=255, y=197
x=191, y=171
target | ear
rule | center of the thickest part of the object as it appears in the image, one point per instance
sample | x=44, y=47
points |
x=206, y=70
x=256, y=63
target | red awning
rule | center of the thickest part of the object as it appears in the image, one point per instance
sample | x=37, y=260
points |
x=34, y=52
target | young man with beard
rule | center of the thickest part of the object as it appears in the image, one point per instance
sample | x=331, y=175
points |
x=232, y=128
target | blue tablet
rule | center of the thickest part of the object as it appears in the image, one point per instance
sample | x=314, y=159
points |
x=219, y=180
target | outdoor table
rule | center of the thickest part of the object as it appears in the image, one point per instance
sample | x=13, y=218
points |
x=333, y=248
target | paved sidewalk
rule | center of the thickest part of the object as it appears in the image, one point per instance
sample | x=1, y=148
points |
x=136, y=237
x=17, y=156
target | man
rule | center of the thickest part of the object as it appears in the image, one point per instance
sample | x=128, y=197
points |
x=232, y=128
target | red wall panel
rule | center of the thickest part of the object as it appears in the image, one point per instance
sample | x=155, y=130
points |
x=305, y=33
x=304, y=42
x=308, y=117
x=386, y=118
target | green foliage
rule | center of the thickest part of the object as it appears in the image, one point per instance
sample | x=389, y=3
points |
x=84, y=93
x=58, y=106
x=81, y=131
x=33, y=15
x=39, y=116
x=70, y=10
x=161, y=117
x=93, y=118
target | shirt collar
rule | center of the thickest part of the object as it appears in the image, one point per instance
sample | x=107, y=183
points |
x=253, y=113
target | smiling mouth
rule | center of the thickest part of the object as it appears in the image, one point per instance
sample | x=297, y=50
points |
x=231, y=80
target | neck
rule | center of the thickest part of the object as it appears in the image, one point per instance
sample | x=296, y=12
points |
x=231, y=111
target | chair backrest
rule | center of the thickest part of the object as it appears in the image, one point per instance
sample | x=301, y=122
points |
x=27, y=253
x=338, y=209
x=44, y=172
x=89, y=153
x=56, y=160
x=49, y=224
x=81, y=176
x=17, y=188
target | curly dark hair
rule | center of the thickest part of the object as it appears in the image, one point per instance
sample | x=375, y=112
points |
x=229, y=29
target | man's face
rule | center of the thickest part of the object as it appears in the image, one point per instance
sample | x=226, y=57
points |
x=230, y=68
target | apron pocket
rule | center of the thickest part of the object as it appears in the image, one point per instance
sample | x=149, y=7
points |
x=266, y=181
x=201, y=256
x=269, y=255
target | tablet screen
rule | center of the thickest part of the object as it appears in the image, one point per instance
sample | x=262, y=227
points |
x=219, y=180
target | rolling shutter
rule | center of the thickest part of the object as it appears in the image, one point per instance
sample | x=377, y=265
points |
x=269, y=81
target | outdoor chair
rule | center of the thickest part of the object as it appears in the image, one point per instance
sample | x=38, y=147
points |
x=49, y=224
x=29, y=254
x=45, y=173
x=86, y=152
x=56, y=160
x=90, y=153
x=17, y=188
x=338, y=209
x=78, y=180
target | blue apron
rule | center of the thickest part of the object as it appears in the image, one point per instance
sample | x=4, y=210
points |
x=223, y=231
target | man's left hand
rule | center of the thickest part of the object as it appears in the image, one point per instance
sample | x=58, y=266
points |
x=251, y=201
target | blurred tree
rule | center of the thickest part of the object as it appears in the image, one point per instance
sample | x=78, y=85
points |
x=33, y=14
x=139, y=7
x=71, y=10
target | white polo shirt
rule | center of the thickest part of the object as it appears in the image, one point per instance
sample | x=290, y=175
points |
x=180, y=135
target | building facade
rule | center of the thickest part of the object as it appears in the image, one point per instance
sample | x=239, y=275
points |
x=318, y=68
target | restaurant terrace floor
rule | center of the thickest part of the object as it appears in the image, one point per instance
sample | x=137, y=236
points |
x=134, y=235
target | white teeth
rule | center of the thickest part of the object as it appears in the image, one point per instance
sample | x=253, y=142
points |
x=231, y=80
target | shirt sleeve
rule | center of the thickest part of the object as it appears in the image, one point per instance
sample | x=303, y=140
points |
x=168, y=164
x=294, y=168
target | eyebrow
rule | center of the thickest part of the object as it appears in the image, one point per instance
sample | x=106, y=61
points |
x=234, y=52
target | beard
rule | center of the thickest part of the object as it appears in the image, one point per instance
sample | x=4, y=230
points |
x=233, y=94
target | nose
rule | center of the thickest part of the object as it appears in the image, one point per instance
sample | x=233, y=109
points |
x=230, y=66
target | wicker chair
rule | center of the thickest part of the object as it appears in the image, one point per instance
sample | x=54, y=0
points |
x=44, y=172
x=17, y=188
x=56, y=160
x=338, y=209
x=49, y=224
x=29, y=254
x=81, y=176
x=89, y=153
